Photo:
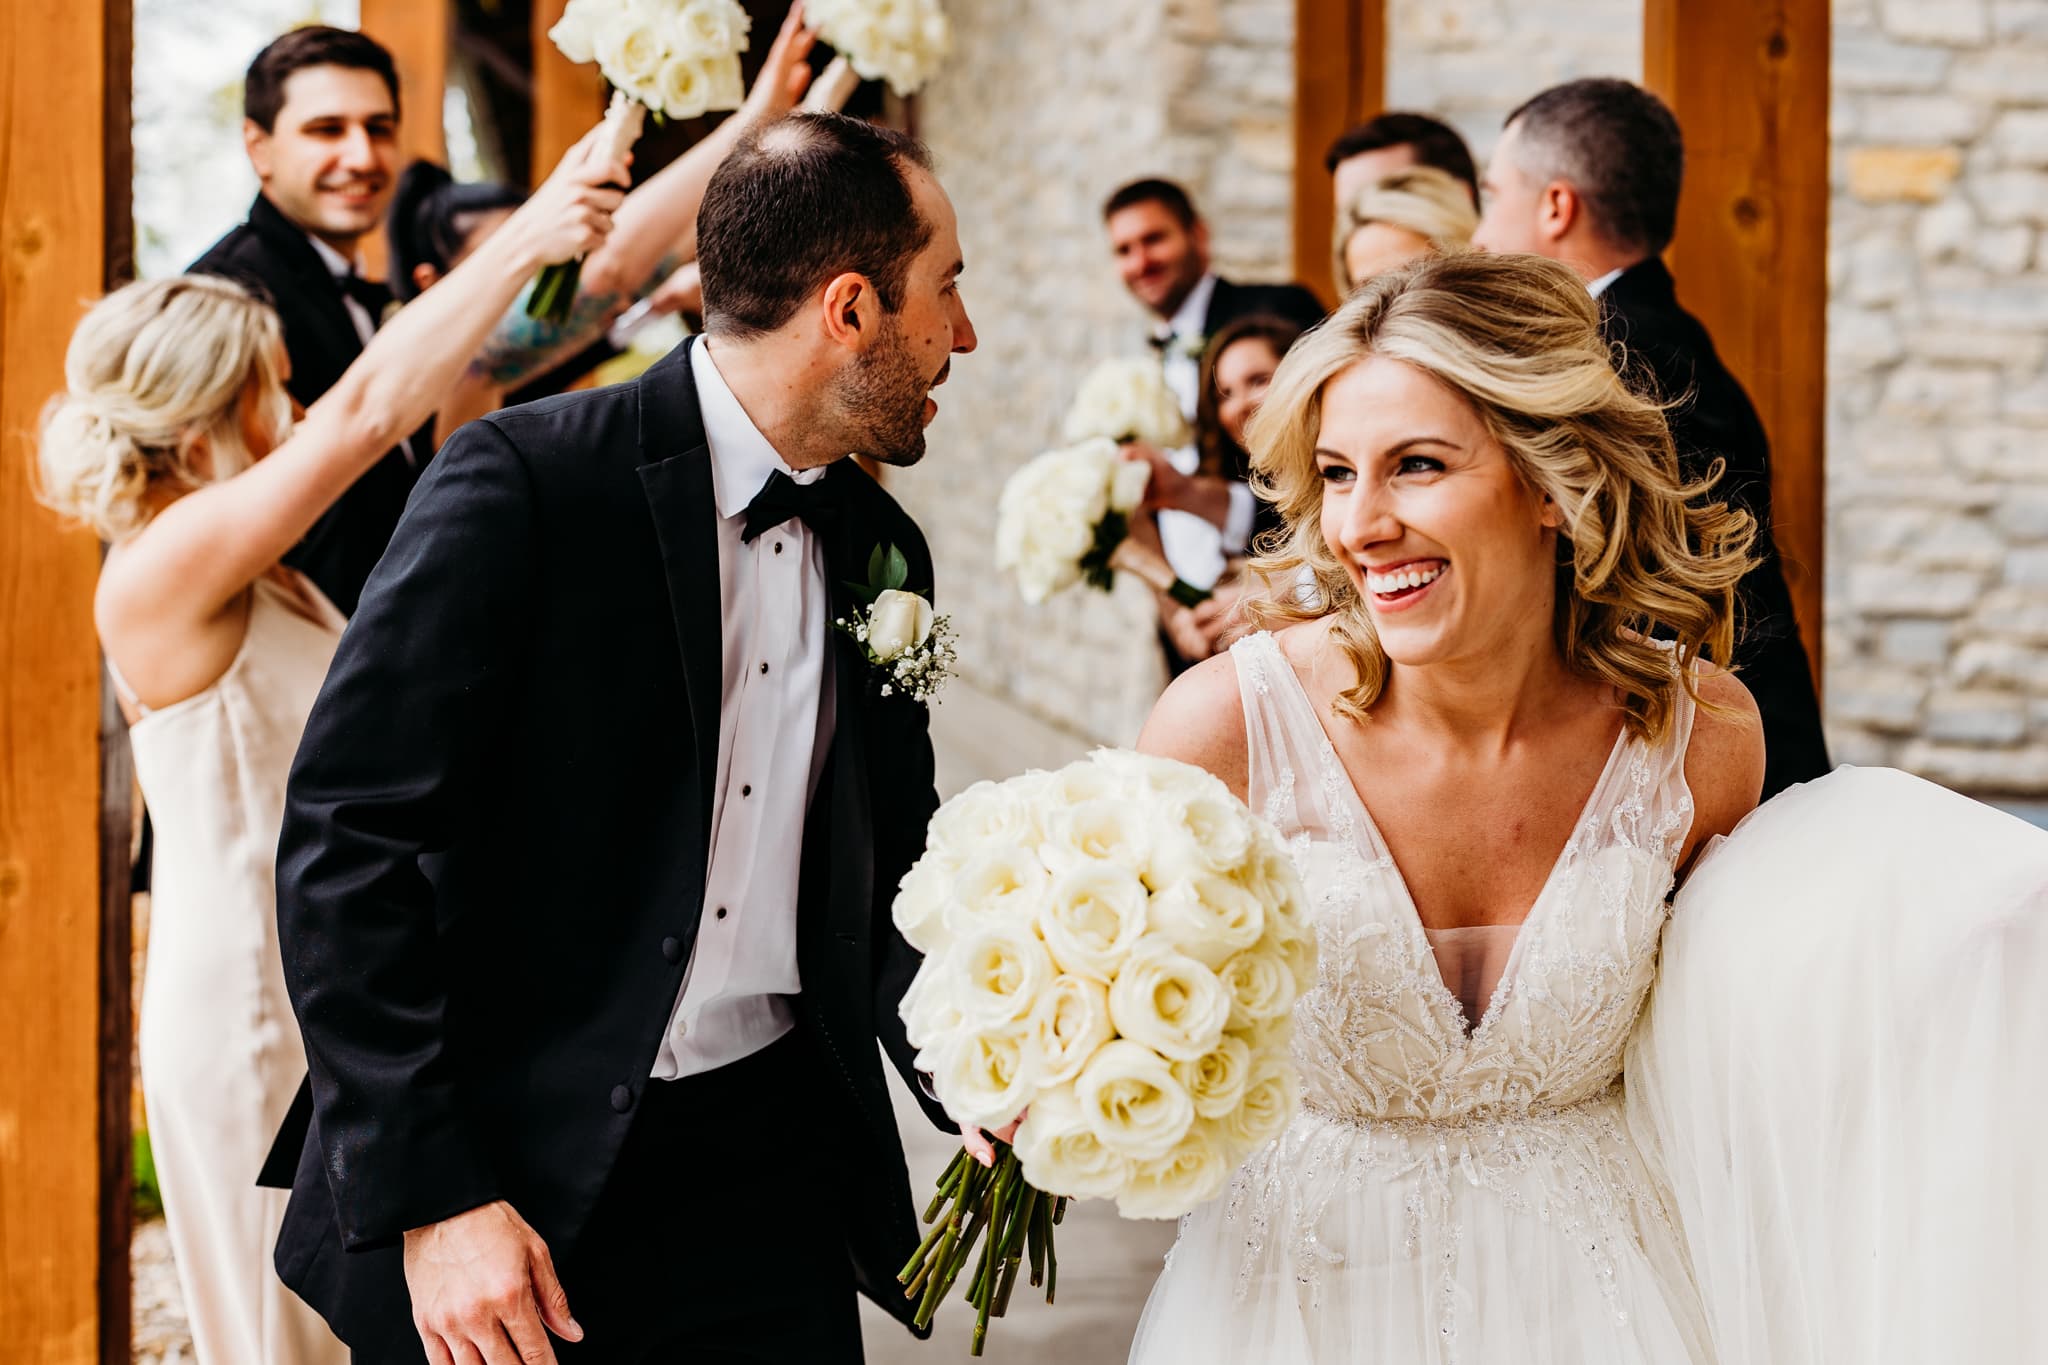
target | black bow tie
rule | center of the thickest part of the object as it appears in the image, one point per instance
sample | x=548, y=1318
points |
x=1161, y=341
x=817, y=504
x=374, y=297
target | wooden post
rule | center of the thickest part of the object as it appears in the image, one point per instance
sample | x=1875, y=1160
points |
x=567, y=96
x=1340, y=51
x=64, y=90
x=417, y=33
x=1748, y=80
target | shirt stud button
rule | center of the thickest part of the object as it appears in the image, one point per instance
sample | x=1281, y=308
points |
x=721, y=912
x=622, y=1098
x=764, y=665
x=778, y=547
x=746, y=791
x=672, y=949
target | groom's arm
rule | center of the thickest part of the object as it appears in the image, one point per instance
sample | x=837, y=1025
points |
x=387, y=773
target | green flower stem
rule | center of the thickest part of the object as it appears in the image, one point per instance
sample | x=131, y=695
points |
x=1187, y=594
x=922, y=1259
x=1041, y=1224
x=554, y=291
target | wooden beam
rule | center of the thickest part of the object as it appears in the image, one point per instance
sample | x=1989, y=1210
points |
x=567, y=96
x=417, y=33
x=63, y=88
x=1340, y=51
x=1748, y=80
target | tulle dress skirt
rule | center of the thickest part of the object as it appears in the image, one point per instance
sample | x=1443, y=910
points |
x=1537, y=1239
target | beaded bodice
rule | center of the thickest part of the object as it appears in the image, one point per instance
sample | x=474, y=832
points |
x=1381, y=1037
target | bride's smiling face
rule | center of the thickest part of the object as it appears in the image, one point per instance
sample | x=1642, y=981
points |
x=1450, y=550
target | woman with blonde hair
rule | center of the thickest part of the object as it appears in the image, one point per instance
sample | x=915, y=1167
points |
x=1490, y=736
x=1394, y=220
x=176, y=441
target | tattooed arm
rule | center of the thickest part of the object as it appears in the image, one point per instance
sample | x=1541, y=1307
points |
x=653, y=233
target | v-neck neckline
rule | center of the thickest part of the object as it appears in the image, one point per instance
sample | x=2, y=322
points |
x=1418, y=932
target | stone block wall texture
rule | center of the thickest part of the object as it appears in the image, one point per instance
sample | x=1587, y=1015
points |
x=1034, y=124
x=1937, y=615
x=1937, y=629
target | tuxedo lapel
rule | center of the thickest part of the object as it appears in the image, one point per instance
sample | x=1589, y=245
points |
x=852, y=805
x=319, y=302
x=676, y=478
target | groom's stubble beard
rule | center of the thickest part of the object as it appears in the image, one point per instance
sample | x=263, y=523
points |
x=881, y=399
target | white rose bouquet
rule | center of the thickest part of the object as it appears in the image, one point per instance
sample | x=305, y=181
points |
x=898, y=41
x=1126, y=399
x=680, y=58
x=1114, y=951
x=1065, y=517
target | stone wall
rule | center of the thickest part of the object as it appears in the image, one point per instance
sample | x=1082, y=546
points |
x=1034, y=124
x=1938, y=391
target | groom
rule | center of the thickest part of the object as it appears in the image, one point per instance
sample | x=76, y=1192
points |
x=588, y=852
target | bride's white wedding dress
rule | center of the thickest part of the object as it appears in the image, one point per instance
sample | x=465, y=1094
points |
x=1447, y=1193
x=1829, y=1145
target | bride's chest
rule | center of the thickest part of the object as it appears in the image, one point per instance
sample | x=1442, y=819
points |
x=1382, y=1036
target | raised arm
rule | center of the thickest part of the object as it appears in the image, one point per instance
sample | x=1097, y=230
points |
x=654, y=234
x=205, y=548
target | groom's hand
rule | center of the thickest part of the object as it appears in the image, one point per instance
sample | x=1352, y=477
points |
x=483, y=1285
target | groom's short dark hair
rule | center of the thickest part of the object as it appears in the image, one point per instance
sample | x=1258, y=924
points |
x=804, y=199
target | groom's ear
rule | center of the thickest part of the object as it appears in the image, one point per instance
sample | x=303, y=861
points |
x=851, y=312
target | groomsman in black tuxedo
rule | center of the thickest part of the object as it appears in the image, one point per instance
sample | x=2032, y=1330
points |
x=1588, y=173
x=589, y=849
x=1161, y=245
x=320, y=123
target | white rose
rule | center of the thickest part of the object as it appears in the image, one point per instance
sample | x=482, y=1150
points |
x=1166, y=777
x=1001, y=970
x=1208, y=918
x=712, y=28
x=575, y=32
x=1193, y=1173
x=1093, y=916
x=986, y=813
x=1260, y=986
x=1079, y=781
x=930, y=1013
x=1270, y=1099
x=919, y=912
x=1061, y=1153
x=1131, y=1102
x=728, y=86
x=1217, y=1079
x=631, y=55
x=1106, y=830
x=985, y=1077
x=1127, y=485
x=897, y=622
x=685, y=91
x=1168, y=1001
x=1004, y=885
x=1072, y=1019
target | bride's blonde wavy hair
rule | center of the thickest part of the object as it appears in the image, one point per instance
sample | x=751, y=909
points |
x=155, y=375
x=1518, y=338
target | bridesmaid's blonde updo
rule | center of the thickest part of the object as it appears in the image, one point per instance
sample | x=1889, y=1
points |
x=1518, y=338
x=155, y=386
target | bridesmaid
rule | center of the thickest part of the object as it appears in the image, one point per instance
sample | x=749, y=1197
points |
x=175, y=439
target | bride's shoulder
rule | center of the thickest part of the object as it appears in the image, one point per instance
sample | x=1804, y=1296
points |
x=1200, y=720
x=1724, y=763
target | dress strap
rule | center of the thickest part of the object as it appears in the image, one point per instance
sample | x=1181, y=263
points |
x=121, y=687
x=1290, y=775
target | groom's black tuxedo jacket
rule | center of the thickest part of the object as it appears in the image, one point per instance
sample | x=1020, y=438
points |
x=271, y=254
x=493, y=857
x=1667, y=351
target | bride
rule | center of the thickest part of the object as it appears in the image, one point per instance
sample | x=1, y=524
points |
x=1493, y=745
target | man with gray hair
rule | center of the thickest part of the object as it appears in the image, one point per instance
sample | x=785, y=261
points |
x=1588, y=173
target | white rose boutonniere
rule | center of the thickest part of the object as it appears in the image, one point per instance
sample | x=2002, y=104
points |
x=906, y=643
